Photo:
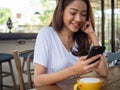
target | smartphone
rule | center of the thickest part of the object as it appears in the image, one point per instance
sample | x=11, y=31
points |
x=95, y=50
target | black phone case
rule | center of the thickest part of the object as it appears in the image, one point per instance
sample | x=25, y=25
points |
x=95, y=50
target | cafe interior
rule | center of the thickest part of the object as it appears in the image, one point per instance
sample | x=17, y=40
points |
x=18, y=31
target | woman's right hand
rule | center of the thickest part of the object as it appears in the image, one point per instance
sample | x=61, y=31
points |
x=83, y=66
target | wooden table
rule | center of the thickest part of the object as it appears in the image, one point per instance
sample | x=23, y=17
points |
x=112, y=82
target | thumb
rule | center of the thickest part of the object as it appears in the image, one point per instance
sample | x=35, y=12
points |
x=83, y=57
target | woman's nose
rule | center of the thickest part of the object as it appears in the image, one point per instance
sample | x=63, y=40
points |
x=78, y=18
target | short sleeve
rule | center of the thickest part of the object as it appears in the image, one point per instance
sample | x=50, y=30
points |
x=41, y=48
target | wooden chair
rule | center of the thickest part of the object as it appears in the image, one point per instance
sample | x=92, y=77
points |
x=118, y=57
x=118, y=54
x=112, y=58
x=6, y=58
x=17, y=57
x=25, y=56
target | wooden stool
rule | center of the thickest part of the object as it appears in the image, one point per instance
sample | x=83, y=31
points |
x=4, y=57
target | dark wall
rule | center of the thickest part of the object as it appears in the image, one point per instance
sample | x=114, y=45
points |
x=16, y=36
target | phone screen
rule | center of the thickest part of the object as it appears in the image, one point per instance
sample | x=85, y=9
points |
x=95, y=50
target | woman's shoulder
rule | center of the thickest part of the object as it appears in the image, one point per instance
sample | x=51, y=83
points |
x=46, y=30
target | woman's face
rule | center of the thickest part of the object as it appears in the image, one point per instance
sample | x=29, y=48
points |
x=75, y=15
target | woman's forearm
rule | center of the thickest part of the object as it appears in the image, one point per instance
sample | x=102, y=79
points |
x=94, y=39
x=46, y=79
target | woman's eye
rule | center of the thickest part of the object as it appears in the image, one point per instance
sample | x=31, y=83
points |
x=72, y=13
x=84, y=15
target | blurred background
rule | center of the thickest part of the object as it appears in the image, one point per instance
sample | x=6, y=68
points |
x=28, y=16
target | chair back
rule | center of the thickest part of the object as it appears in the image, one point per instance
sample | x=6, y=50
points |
x=17, y=57
x=111, y=56
x=118, y=55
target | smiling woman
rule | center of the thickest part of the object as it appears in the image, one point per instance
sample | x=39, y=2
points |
x=61, y=47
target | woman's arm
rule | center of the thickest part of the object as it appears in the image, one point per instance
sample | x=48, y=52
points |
x=102, y=68
x=41, y=77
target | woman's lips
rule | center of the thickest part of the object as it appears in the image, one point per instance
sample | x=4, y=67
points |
x=77, y=25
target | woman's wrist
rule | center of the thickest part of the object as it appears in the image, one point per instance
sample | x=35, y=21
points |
x=94, y=39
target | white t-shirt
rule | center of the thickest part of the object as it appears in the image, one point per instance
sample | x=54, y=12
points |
x=50, y=51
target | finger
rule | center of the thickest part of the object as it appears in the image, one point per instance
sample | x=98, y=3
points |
x=92, y=67
x=87, y=24
x=91, y=70
x=81, y=26
x=93, y=58
x=84, y=26
x=83, y=58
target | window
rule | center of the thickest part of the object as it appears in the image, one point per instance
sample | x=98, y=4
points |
x=27, y=16
x=96, y=5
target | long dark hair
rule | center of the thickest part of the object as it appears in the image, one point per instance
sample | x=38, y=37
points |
x=81, y=38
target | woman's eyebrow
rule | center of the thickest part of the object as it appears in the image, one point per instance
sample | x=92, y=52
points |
x=84, y=11
x=74, y=9
x=77, y=10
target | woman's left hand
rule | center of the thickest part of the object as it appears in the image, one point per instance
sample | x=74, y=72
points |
x=102, y=67
x=87, y=28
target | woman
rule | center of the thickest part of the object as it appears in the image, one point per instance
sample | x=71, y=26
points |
x=61, y=48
